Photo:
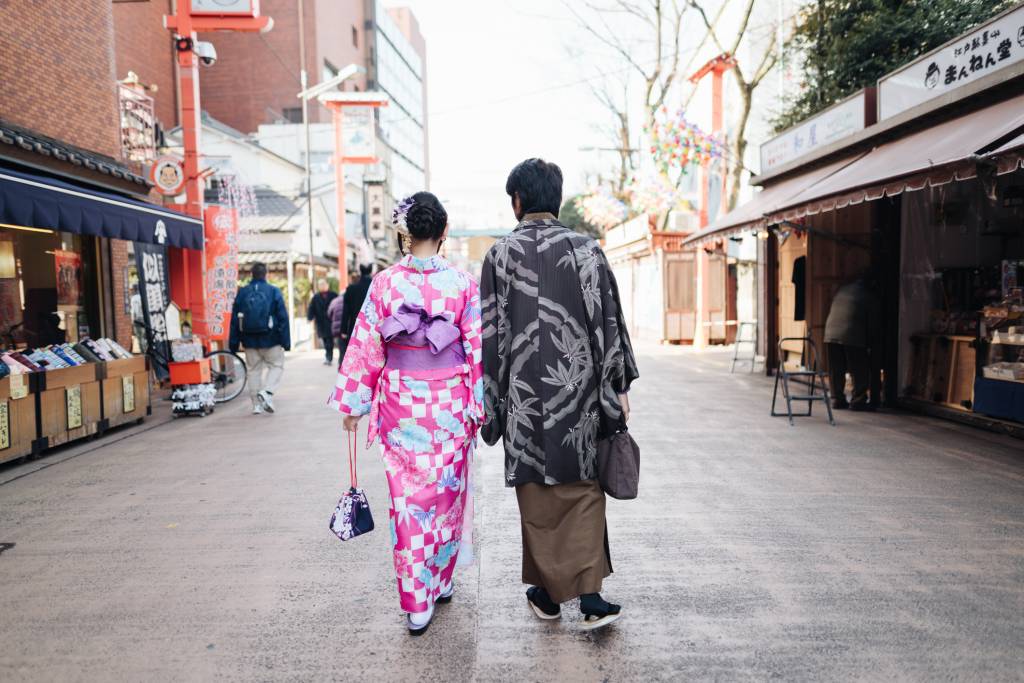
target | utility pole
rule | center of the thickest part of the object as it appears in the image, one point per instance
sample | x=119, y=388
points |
x=304, y=79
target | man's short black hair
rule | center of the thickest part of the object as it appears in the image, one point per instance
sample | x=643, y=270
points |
x=259, y=271
x=366, y=269
x=538, y=184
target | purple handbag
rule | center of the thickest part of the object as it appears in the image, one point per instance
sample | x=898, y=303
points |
x=352, y=516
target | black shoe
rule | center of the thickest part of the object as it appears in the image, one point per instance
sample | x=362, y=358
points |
x=541, y=604
x=839, y=404
x=861, y=407
x=598, y=612
x=445, y=598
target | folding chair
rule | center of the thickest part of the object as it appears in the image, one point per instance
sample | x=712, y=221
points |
x=809, y=369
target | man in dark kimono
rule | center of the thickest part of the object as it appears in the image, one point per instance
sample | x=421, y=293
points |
x=557, y=365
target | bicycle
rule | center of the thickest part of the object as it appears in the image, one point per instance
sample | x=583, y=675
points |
x=228, y=373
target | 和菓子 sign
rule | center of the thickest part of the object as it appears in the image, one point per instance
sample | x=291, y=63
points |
x=989, y=48
x=221, y=269
x=234, y=8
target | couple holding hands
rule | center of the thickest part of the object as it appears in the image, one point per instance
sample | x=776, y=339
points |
x=537, y=354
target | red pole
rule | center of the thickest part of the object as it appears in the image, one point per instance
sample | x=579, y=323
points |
x=337, y=114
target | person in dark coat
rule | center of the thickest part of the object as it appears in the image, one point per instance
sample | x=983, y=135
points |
x=317, y=312
x=265, y=338
x=355, y=295
x=849, y=337
x=557, y=365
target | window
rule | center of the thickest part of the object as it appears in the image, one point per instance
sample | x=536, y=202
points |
x=292, y=114
x=355, y=37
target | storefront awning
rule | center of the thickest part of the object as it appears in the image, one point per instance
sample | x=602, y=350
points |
x=39, y=202
x=751, y=215
x=934, y=156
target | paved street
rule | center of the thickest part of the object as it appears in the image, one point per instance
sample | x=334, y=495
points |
x=887, y=547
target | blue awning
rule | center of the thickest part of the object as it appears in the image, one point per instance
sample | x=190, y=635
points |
x=39, y=202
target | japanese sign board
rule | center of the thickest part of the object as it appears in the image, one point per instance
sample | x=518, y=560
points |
x=234, y=8
x=74, y=403
x=138, y=124
x=5, y=426
x=984, y=51
x=128, y=393
x=68, y=265
x=358, y=134
x=168, y=175
x=838, y=121
x=151, y=264
x=221, y=269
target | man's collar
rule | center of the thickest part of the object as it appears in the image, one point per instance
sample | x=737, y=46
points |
x=539, y=216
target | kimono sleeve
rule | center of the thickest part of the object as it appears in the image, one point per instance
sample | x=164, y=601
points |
x=472, y=343
x=494, y=360
x=618, y=364
x=360, y=371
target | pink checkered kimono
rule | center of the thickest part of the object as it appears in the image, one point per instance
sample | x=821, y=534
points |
x=413, y=366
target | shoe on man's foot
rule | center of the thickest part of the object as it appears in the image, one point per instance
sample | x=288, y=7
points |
x=328, y=361
x=266, y=400
x=257, y=408
x=419, y=622
x=446, y=596
x=541, y=604
x=840, y=404
x=598, y=612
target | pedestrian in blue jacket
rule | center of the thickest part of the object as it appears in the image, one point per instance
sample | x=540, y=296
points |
x=259, y=322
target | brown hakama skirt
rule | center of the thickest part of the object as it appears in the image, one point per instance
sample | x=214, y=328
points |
x=565, y=538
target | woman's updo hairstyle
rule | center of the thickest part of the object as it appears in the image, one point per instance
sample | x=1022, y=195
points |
x=425, y=219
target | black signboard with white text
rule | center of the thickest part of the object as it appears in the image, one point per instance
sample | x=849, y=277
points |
x=151, y=263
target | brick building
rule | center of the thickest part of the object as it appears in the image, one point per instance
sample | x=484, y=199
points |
x=256, y=79
x=71, y=203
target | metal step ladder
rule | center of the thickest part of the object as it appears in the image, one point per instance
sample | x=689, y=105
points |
x=748, y=342
x=810, y=369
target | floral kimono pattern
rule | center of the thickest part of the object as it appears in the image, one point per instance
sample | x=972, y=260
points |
x=413, y=366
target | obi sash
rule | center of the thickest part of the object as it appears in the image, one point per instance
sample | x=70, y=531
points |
x=418, y=340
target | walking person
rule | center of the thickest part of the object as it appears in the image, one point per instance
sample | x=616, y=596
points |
x=259, y=322
x=355, y=295
x=317, y=313
x=413, y=365
x=334, y=313
x=557, y=365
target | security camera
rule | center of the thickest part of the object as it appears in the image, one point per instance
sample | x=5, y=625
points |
x=206, y=52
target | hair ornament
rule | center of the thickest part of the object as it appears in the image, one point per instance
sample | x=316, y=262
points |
x=401, y=214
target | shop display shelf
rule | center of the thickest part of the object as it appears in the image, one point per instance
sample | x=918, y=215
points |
x=126, y=391
x=69, y=403
x=17, y=417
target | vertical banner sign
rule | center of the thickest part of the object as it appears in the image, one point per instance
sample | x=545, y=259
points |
x=128, y=393
x=221, y=269
x=151, y=263
x=138, y=124
x=74, y=400
x=357, y=134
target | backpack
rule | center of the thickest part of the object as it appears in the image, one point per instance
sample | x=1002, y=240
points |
x=254, y=310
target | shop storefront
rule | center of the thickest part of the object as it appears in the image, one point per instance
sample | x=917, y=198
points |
x=66, y=376
x=926, y=205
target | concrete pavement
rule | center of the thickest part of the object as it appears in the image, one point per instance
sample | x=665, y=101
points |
x=887, y=547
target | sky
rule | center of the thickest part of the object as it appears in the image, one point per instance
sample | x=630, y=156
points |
x=502, y=87
x=513, y=79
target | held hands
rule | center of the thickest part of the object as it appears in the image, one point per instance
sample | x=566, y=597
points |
x=351, y=423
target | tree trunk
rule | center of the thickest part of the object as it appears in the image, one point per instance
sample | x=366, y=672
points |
x=740, y=145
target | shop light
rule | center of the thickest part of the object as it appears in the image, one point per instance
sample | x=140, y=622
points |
x=8, y=267
x=25, y=228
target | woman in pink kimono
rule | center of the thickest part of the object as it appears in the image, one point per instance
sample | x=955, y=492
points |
x=413, y=366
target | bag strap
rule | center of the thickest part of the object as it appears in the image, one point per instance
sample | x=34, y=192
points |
x=353, y=475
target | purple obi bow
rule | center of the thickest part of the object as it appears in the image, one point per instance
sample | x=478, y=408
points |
x=412, y=325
